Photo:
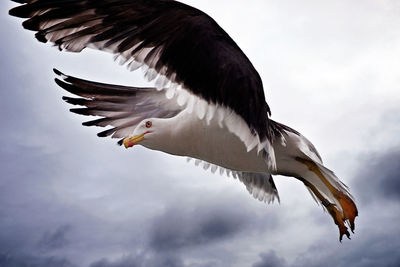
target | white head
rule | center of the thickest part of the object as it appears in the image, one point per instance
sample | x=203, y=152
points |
x=151, y=133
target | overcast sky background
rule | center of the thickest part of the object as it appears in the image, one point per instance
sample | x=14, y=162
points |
x=331, y=69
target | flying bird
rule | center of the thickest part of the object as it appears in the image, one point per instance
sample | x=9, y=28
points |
x=207, y=103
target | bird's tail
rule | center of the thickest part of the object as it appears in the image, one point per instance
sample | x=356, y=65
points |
x=331, y=193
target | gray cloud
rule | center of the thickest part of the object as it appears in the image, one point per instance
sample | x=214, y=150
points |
x=8, y=260
x=142, y=260
x=186, y=228
x=375, y=243
x=270, y=259
x=372, y=251
x=379, y=177
x=56, y=239
x=187, y=232
x=390, y=183
x=126, y=262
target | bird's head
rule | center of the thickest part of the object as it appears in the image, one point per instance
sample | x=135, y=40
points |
x=142, y=134
x=152, y=133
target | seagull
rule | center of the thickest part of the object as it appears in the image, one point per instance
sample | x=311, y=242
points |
x=207, y=102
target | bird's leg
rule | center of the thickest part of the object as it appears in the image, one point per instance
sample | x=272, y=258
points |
x=338, y=217
x=349, y=208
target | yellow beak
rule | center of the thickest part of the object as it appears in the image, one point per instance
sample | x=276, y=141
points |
x=133, y=140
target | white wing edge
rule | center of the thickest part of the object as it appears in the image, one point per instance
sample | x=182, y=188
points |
x=208, y=111
x=259, y=185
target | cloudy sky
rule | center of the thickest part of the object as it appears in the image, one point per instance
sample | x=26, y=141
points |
x=331, y=69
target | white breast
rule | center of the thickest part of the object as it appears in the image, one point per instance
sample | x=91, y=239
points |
x=208, y=141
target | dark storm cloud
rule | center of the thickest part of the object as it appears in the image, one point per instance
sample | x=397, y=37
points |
x=186, y=228
x=389, y=180
x=379, y=176
x=9, y=260
x=142, y=260
x=371, y=251
x=374, y=250
x=125, y=262
x=376, y=241
x=189, y=230
x=270, y=259
x=56, y=239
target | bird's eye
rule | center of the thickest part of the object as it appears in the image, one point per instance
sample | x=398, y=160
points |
x=148, y=124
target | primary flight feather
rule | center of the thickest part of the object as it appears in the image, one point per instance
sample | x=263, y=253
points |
x=208, y=102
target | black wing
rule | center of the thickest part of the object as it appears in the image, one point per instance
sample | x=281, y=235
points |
x=172, y=39
x=120, y=107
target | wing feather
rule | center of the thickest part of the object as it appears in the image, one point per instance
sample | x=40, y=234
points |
x=260, y=185
x=120, y=107
x=177, y=44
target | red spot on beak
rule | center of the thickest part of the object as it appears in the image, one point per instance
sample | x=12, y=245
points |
x=130, y=144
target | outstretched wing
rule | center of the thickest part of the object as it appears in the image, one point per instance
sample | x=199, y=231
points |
x=179, y=45
x=120, y=107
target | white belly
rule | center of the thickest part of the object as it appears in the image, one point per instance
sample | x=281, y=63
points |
x=209, y=142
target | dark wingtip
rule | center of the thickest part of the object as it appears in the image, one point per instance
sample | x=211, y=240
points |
x=81, y=111
x=22, y=11
x=92, y=123
x=41, y=37
x=31, y=24
x=56, y=71
x=106, y=132
x=14, y=11
x=102, y=134
x=11, y=12
x=66, y=86
x=120, y=142
x=60, y=83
